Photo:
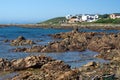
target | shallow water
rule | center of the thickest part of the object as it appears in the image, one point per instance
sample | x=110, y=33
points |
x=74, y=59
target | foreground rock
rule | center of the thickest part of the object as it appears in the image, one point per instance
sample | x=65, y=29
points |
x=24, y=63
x=57, y=70
x=39, y=68
x=46, y=68
x=21, y=41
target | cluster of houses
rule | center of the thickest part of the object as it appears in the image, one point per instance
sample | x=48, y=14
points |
x=82, y=18
x=88, y=17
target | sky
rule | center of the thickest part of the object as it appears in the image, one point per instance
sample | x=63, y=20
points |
x=32, y=11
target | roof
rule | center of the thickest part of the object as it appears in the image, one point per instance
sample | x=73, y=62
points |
x=90, y=14
x=73, y=17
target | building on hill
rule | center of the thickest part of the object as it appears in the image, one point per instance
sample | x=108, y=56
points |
x=82, y=18
x=115, y=15
x=73, y=19
x=89, y=17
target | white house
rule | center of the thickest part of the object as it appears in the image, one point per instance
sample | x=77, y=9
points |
x=89, y=17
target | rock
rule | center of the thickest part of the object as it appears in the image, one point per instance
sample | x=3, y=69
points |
x=34, y=49
x=24, y=63
x=21, y=41
x=30, y=62
x=5, y=65
x=55, y=70
x=20, y=38
x=56, y=66
x=20, y=50
x=22, y=76
x=70, y=75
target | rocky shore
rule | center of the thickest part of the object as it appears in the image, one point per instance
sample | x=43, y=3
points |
x=46, y=68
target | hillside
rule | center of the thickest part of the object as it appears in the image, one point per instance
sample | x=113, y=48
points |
x=56, y=20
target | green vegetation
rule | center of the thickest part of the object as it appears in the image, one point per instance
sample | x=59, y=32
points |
x=108, y=20
x=54, y=21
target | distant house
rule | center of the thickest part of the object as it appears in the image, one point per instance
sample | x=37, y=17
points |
x=115, y=15
x=82, y=18
x=73, y=19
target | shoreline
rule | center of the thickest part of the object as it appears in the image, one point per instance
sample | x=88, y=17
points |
x=66, y=26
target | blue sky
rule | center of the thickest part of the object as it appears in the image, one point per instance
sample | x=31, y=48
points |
x=31, y=11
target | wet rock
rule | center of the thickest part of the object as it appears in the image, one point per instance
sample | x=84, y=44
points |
x=21, y=41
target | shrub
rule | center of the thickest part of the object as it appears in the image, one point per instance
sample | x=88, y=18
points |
x=108, y=20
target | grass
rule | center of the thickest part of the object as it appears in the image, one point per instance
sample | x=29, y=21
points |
x=108, y=20
x=54, y=21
